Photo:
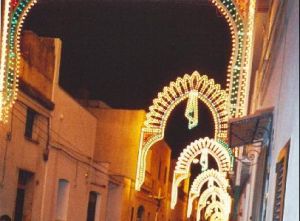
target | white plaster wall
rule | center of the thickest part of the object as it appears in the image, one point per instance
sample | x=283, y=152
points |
x=114, y=202
x=75, y=125
x=73, y=131
x=26, y=154
x=21, y=153
x=290, y=115
x=283, y=94
x=72, y=142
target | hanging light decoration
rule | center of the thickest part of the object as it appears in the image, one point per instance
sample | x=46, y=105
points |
x=204, y=160
x=191, y=111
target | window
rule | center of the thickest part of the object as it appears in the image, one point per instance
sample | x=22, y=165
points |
x=93, y=210
x=24, y=197
x=281, y=171
x=31, y=114
x=62, y=200
x=140, y=213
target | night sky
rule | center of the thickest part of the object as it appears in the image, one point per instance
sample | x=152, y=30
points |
x=124, y=53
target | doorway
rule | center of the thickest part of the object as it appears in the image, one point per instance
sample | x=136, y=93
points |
x=24, y=198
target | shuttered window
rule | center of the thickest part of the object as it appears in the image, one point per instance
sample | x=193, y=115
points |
x=281, y=172
x=30, y=117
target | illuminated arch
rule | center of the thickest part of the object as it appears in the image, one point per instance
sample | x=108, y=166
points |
x=222, y=156
x=15, y=12
x=206, y=90
x=217, y=217
x=212, y=207
x=213, y=192
x=205, y=177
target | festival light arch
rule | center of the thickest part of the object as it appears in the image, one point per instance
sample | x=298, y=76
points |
x=211, y=210
x=214, y=193
x=15, y=12
x=200, y=87
x=240, y=21
x=210, y=176
x=217, y=217
x=222, y=156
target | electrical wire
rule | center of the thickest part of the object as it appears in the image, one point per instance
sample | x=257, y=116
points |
x=58, y=148
x=53, y=140
x=42, y=122
x=63, y=148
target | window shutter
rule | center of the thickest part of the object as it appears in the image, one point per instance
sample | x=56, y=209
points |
x=281, y=172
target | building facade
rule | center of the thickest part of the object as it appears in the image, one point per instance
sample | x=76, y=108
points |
x=117, y=142
x=269, y=188
x=47, y=166
x=61, y=161
x=179, y=213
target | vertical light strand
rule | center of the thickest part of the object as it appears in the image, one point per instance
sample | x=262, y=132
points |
x=236, y=63
x=3, y=56
x=245, y=79
x=204, y=160
x=18, y=11
x=191, y=111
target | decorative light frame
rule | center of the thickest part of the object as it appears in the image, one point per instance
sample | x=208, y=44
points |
x=215, y=204
x=217, y=217
x=224, y=197
x=238, y=69
x=244, y=83
x=217, y=177
x=236, y=25
x=238, y=64
x=222, y=156
x=15, y=12
x=156, y=119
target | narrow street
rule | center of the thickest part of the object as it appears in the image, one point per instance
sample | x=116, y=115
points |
x=149, y=110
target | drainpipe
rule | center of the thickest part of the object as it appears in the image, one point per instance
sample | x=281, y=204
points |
x=45, y=158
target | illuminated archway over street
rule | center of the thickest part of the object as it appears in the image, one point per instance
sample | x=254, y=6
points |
x=206, y=90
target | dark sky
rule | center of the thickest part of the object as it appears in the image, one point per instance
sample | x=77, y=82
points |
x=124, y=53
